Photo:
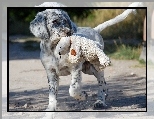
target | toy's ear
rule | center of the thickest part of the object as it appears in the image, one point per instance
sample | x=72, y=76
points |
x=71, y=24
x=73, y=52
x=74, y=56
x=38, y=26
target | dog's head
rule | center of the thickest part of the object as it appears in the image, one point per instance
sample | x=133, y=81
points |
x=52, y=24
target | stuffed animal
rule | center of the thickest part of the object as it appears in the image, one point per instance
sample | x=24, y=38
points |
x=80, y=48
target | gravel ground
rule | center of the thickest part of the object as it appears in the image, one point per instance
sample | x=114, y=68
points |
x=28, y=89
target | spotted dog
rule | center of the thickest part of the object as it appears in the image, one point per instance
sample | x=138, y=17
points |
x=50, y=26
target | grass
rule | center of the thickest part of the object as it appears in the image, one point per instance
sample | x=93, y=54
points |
x=131, y=27
x=142, y=62
x=123, y=51
x=126, y=52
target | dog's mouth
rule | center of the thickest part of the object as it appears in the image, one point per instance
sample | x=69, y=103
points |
x=68, y=33
x=60, y=35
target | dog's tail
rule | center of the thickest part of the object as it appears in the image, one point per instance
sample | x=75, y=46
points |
x=118, y=18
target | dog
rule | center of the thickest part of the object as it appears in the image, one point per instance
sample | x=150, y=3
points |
x=50, y=26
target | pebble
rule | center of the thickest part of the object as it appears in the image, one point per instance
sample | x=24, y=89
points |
x=26, y=105
x=25, y=91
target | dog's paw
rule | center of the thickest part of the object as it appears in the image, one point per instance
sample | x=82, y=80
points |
x=99, y=105
x=105, y=62
x=78, y=95
x=51, y=108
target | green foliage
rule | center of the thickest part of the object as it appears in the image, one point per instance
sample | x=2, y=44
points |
x=126, y=52
x=19, y=19
x=131, y=27
x=122, y=51
x=142, y=61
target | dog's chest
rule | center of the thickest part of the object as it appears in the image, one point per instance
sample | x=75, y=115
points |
x=51, y=59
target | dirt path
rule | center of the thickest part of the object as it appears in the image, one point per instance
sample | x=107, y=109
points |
x=28, y=86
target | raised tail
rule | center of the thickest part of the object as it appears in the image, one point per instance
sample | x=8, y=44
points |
x=118, y=18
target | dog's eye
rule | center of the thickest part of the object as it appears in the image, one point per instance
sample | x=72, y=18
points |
x=64, y=21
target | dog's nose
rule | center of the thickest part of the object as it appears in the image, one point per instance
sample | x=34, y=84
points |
x=69, y=33
x=31, y=22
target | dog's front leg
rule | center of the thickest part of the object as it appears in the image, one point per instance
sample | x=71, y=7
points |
x=75, y=89
x=53, y=81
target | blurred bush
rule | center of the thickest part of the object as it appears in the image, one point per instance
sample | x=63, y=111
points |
x=130, y=28
x=19, y=20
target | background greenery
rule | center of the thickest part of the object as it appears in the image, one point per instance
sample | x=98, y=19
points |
x=130, y=28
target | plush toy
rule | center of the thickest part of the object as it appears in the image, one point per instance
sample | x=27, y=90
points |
x=81, y=48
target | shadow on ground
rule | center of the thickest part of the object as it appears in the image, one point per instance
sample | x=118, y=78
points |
x=125, y=94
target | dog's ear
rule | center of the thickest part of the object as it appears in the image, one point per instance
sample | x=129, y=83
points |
x=39, y=26
x=71, y=24
x=74, y=27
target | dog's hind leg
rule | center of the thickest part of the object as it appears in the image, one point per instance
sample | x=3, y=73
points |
x=102, y=90
x=75, y=89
